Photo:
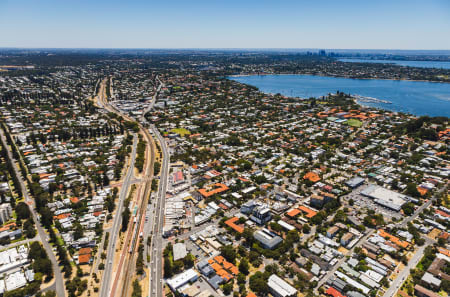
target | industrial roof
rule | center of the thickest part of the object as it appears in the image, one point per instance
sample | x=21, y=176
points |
x=281, y=287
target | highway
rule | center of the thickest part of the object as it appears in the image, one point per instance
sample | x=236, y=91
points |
x=157, y=222
x=126, y=265
x=59, y=284
x=133, y=242
x=115, y=230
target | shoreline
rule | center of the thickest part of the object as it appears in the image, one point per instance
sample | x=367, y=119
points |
x=347, y=77
x=354, y=99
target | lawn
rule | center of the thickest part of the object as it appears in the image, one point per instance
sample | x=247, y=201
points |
x=181, y=131
x=354, y=123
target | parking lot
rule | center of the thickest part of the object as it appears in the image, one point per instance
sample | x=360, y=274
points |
x=362, y=202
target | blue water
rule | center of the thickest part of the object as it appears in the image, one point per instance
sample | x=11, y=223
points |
x=415, y=97
x=420, y=64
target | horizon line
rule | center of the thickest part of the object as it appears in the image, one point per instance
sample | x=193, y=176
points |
x=218, y=48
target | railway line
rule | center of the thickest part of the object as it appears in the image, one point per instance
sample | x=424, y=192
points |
x=127, y=262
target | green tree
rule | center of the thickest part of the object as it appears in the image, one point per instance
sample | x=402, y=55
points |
x=244, y=266
x=228, y=253
x=22, y=211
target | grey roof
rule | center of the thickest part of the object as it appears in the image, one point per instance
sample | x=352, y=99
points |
x=179, y=251
x=431, y=279
x=354, y=294
x=339, y=284
x=202, y=264
x=215, y=281
x=355, y=182
x=206, y=270
x=280, y=286
x=267, y=238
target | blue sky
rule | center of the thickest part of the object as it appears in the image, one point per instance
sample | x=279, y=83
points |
x=337, y=24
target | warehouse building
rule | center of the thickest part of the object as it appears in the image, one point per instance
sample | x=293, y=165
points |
x=280, y=288
x=181, y=279
x=355, y=182
x=385, y=197
x=268, y=239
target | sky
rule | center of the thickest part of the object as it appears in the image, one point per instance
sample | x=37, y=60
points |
x=328, y=24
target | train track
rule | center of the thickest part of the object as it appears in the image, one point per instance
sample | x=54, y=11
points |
x=132, y=240
x=139, y=222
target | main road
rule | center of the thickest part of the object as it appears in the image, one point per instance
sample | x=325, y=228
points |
x=115, y=230
x=108, y=289
x=412, y=263
x=157, y=223
x=59, y=284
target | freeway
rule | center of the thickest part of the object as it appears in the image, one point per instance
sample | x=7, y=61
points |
x=115, y=230
x=132, y=242
x=155, y=282
x=125, y=274
x=59, y=284
x=157, y=208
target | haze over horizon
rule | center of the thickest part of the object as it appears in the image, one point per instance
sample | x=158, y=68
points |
x=350, y=24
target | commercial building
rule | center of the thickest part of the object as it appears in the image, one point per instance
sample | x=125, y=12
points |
x=179, y=251
x=385, y=197
x=268, y=239
x=279, y=288
x=355, y=182
x=181, y=279
x=261, y=215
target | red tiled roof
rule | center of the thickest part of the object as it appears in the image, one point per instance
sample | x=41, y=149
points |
x=219, y=188
x=84, y=259
x=231, y=223
x=333, y=292
x=312, y=176
x=294, y=212
x=309, y=212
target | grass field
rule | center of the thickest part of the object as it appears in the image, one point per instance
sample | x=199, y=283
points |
x=181, y=131
x=354, y=123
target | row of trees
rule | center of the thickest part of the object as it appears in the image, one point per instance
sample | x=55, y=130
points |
x=126, y=213
x=9, y=163
x=140, y=157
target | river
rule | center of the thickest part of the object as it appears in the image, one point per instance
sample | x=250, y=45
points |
x=415, y=97
x=420, y=64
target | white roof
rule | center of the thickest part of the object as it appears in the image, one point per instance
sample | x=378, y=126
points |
x=385, y=195
x=281, y=287
x=15, y=280
x=285, y=225
x=182, y=278
x=179, y=251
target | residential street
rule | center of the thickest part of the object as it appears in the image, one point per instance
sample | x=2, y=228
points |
x=59, y=284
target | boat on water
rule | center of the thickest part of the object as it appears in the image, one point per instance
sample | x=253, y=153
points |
x=370, y=99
